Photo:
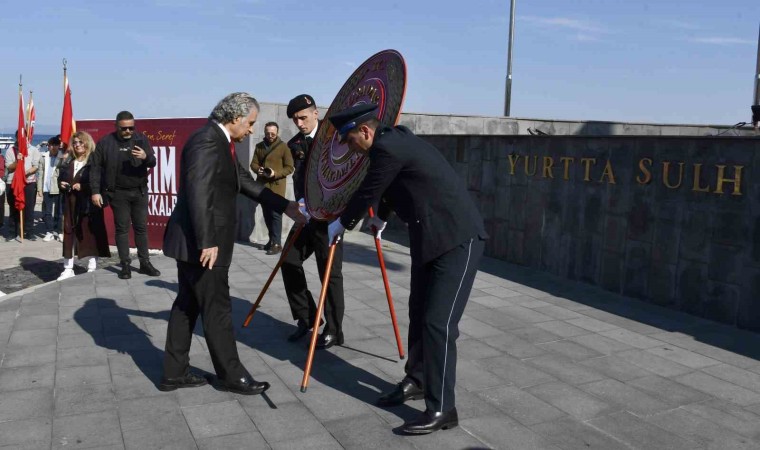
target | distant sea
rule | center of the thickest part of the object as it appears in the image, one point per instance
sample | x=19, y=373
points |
x=36, y=140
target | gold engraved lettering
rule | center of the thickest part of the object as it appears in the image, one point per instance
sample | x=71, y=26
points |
x=587, y=162
x=608, y=173
x=513, y=159
x=647, y=175
x=527, y=165
x=697, y=176
x=737, y=180
x=548, y=164
x=666, y=176
x=566, y=160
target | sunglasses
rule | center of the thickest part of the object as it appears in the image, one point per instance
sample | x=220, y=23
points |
x=77, y=143
x=132, y=128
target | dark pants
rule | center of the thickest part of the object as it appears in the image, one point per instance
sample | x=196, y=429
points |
x=2, y=207
x=205, y=292
x=30, y=197
x=313, y=239
x=273, y=220
x=130, y=206
x=51, y=211
x=439, y=292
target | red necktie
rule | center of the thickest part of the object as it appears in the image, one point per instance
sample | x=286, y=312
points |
x=232, y=150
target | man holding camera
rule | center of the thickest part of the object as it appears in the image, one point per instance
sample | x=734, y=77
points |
x=119, y=176
x=272, y=163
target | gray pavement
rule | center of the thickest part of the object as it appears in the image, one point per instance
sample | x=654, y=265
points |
x=544, y=363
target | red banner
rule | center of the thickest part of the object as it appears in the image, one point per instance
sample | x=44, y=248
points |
x=167, y=137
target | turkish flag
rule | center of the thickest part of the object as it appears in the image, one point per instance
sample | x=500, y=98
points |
x=68, y=125
x=19, y=176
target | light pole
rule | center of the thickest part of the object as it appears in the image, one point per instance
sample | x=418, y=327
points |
x=508, y=90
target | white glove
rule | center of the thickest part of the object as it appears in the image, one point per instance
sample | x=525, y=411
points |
x=304, y=211
x=334, y=230
x=2, y=187
x=377, y=226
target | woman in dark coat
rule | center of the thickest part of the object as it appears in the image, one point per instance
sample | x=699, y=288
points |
x=84, y=229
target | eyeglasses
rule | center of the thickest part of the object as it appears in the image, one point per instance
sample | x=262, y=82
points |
x=132, y=128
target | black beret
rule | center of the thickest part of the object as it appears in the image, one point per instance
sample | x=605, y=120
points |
x=348, y=119
x=298, y=103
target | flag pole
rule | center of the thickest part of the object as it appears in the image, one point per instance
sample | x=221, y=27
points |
x=23, y=165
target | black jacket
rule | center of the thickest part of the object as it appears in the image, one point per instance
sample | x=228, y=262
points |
x=209, y=181
x=106, y=159
x=299, y=148
x=411, y=177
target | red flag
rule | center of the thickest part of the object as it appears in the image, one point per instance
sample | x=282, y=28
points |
x=31, y=116
x=19, y=176
x=68, y=124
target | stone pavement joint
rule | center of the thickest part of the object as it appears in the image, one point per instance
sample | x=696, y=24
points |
x=544, y=363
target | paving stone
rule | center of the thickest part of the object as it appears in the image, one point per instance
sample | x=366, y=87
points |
x=31, y=403
x=525, y=315
x=703, y=431
x=84, y=399
x=316, y=442
x=565, y=369
x=728, y=415
x=490, y=301
x=509, y=436
x=633, y=339
x=94, y=430
x=601, y=344
x=217, y=419
x=638, y=433
x=26, y=434
x=154, y=422
x=81, y=356
x=615, y=367
x=591, y=324
x=33, y=338
x=81, y=376
x=28, y=356
x=521, y=405
x=20, y=378
x=367, y=431
x=287, y=421
x=514, y=346
x=735, y=375
x=535, y=335
x=498, y=319
x=474, y=349
x=473, y=377
x=132, y=386
x=572, y=400
x=514, y=371
x=570, y=349
x=572, y=434
x=38, y=322
x=243, y=440
x=557, y=312
x=719, y=388
x=562, y=328
x=654, y=363
x=683, y=357
x=625, y=397
x=667, y=390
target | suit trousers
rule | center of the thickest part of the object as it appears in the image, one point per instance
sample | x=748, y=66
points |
x=273, y=220
x=205, y=292
x=130, y=206
x=313, y=239
x=438, y=295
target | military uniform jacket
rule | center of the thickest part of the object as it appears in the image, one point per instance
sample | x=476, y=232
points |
x=276, y=157
x=411, y=177
x=299, y=149
x=205, y=214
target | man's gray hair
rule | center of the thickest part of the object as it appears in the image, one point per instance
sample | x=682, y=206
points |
x=237, y=104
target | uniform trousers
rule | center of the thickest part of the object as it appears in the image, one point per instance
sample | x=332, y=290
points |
x=313, y=240
x=205, y=292
x=438, y=295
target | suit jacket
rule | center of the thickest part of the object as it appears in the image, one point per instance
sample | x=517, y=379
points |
x=209, y=181
x=299, y=149
x=276, y=157
x=411, y=177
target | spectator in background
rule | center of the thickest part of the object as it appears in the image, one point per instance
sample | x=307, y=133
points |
x=31, y=165
x=47, y=187
x=2, y=189
x=84, y=228
x=272, y=163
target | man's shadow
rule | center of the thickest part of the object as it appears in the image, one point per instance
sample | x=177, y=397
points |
x=110, y=327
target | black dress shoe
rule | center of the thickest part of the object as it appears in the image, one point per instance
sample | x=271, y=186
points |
x=275, y=249
x=246, y=386
x=186, y=381
x=327, y=340
x=146, y=268
x=126, y=272
x=301, y=331
x=431, y=421
x=267, y=246
x=404, y=391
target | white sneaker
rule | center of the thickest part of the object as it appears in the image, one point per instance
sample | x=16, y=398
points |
x=67, y=273
x=48, y=237
x=92, y=265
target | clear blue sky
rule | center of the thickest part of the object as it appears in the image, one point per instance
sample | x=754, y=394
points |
x=643, y=60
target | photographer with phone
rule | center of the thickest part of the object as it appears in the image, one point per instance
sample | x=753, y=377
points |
x=120, y=178
x=272, y=163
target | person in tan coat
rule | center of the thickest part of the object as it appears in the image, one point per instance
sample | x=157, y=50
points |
x=272, y=163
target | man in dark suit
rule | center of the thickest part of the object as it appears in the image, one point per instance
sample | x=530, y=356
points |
x=313, y=239
x=200, y=236
x=446, y=237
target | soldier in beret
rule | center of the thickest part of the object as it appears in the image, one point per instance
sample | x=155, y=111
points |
x=313, y=239
x=410, y=177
